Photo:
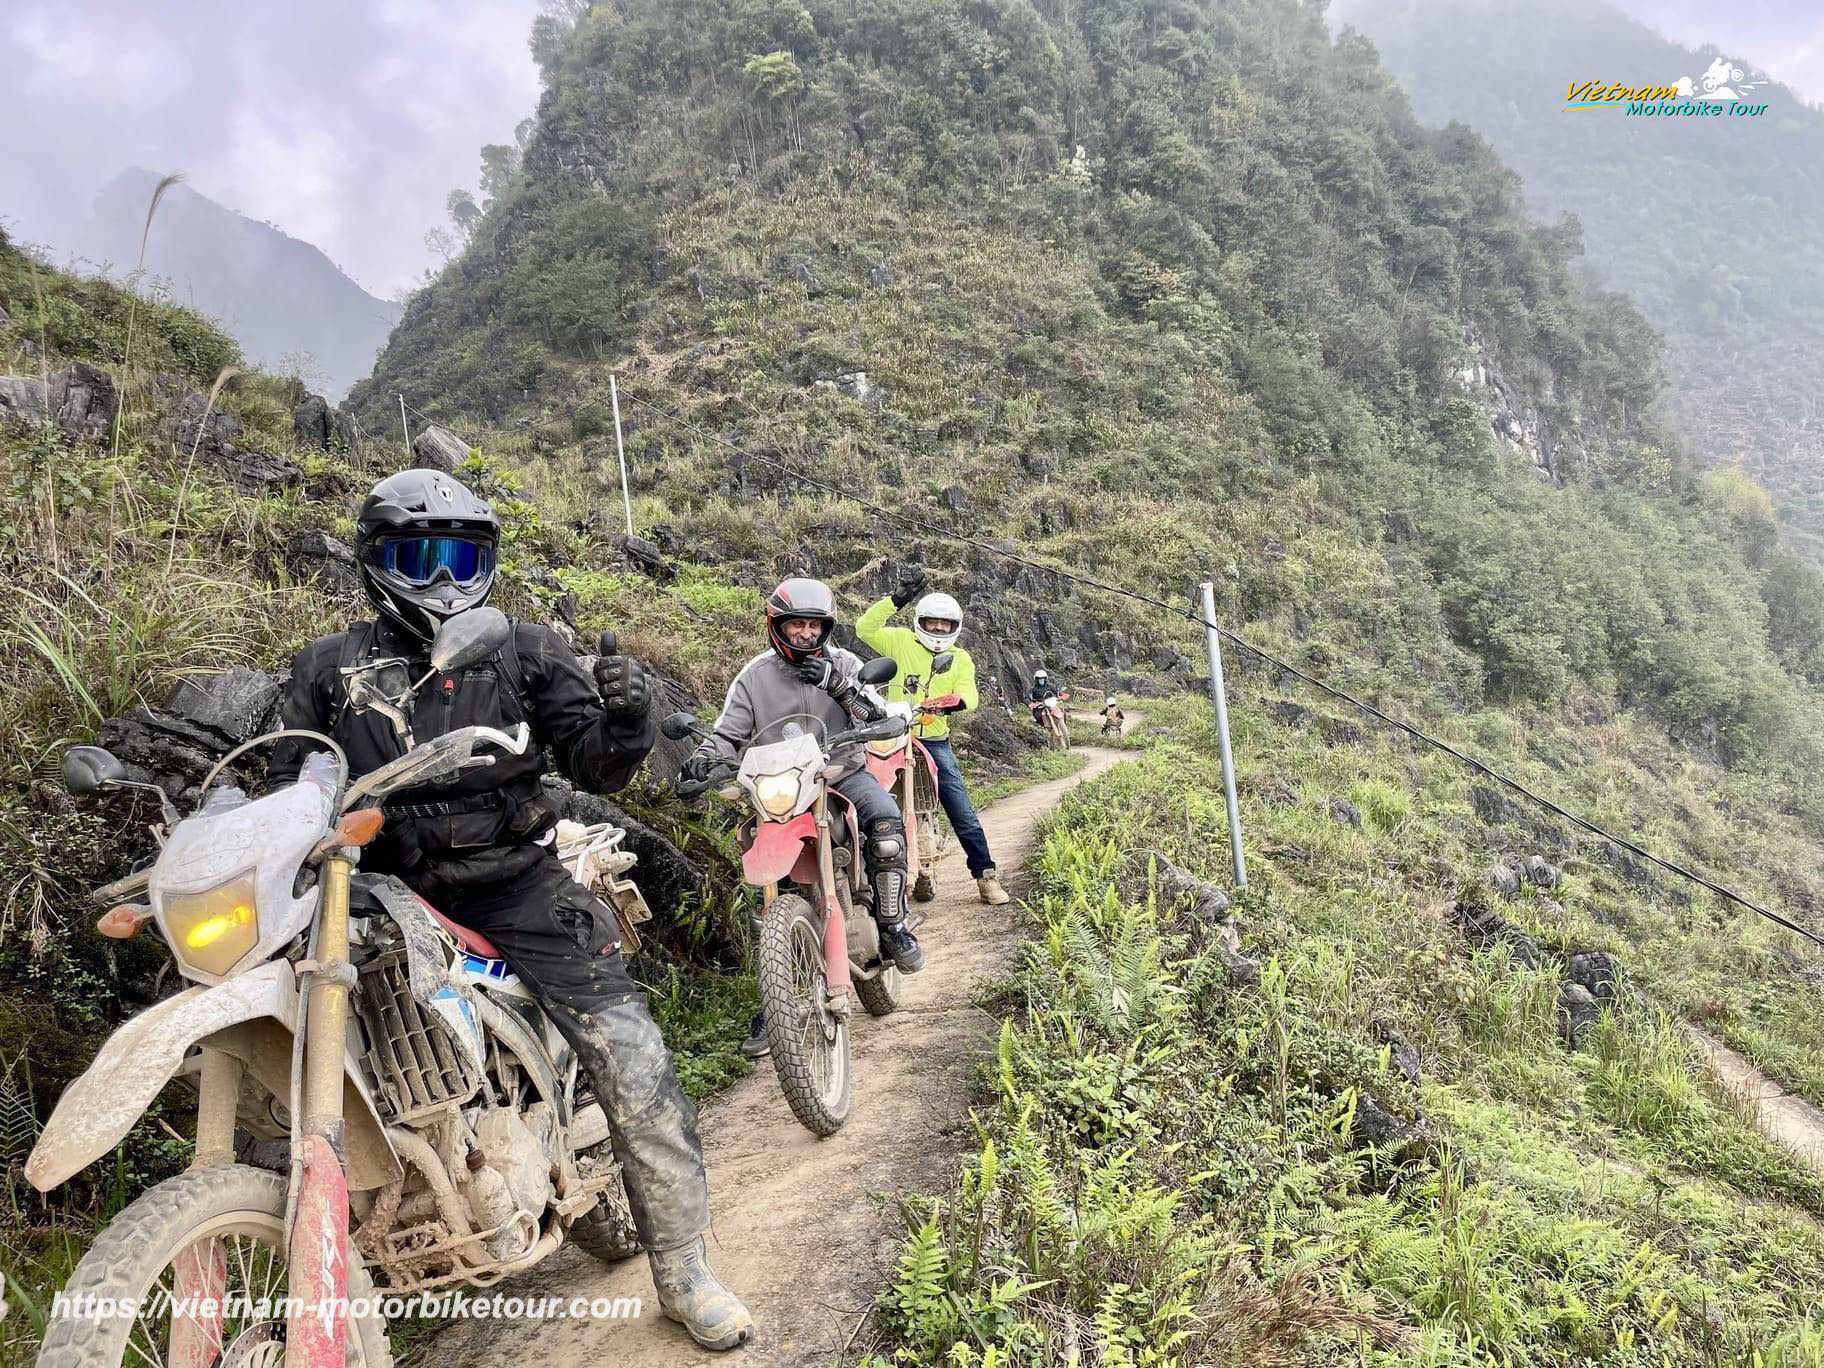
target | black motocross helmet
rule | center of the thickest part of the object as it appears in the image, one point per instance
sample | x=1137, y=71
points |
x=425, y=546
x=800, y=598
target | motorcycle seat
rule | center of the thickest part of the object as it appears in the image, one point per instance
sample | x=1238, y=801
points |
x=472, y=941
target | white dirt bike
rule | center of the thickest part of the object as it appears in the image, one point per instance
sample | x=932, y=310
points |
x=443, y=1117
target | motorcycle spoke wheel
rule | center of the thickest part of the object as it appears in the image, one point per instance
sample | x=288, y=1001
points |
x=230, y=1217
x=810, y=1043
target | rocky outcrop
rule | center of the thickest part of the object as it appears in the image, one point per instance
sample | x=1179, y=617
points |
x=319, y=427
x=192, y=424
x=82, y=400
x=437, y=448
x=311, y=553
x=1519, y=422
x=24, y=401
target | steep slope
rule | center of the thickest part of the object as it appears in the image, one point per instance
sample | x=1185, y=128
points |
x=1174, y=290
x=1715, y=226
x=282, y=299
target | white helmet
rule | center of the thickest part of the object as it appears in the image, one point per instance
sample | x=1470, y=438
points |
x=1040, y=674
x=943, y=608
x=1111, y=702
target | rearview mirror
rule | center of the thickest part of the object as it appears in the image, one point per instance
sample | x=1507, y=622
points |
x=468, y=639
x=879, y=670
x=678, y=726
x=90, y=769
x=941, y=662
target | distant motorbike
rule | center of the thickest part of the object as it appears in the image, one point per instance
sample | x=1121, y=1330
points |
x=817, y=932
x=445, y=1113
x=1049, y=714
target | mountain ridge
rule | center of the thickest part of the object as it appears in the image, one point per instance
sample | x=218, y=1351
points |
x=280, y=296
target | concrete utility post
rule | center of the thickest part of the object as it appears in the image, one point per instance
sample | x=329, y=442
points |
x=614, y=395
x=1221, y=698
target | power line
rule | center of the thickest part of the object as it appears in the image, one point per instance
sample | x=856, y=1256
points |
x=906, y=519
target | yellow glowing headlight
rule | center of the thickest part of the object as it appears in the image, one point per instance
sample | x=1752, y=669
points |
x=778, y=793
x=210, y=931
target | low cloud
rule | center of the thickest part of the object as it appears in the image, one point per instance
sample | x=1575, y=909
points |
x=344, y=123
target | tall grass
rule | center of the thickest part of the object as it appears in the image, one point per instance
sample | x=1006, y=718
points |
x=139, y=271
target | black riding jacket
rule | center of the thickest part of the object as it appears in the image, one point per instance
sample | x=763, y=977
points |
x=483, y=828
x=1041, y=690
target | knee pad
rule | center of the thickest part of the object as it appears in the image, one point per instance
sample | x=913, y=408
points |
x=887, y=843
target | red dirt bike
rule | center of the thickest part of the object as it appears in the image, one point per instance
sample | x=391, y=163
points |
x=1049, y=714
x=817, y=933
x=906, y=770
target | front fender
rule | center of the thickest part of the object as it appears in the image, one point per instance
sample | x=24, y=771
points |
x=101, y=1106
x=776, y=848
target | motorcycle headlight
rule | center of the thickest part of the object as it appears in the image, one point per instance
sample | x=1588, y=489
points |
x=210, y=931
x=777, y=793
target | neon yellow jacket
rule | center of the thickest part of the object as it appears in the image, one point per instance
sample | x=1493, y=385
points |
x=915, y=663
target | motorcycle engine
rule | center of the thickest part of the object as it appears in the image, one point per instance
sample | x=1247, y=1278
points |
x=512, y=1187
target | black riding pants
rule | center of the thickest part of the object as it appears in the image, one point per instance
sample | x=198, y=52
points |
x=564, y=944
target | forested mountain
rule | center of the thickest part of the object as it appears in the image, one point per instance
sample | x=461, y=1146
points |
x=1170, y=286
x=288, y=305
x=1714, y=226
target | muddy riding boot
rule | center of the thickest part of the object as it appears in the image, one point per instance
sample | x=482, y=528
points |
x=924, y=888
x=988, y=886
x=690, y=1294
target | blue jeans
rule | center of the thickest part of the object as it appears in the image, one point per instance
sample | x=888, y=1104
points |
x=952, y=793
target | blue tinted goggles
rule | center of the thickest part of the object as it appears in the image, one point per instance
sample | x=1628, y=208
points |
x=420, y=560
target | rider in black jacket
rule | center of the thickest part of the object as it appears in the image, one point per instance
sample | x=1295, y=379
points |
x=480, y=848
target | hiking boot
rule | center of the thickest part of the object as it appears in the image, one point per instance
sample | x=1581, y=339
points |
x=757, y=1046
x=988, y=885
x=690, y=1295
x=924, y=888
x=898, y=944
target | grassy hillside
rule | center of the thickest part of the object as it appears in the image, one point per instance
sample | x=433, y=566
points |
x=1379, y=1150
x=1712, y=226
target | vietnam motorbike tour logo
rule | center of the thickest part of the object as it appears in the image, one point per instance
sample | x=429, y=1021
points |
x=1721, y=92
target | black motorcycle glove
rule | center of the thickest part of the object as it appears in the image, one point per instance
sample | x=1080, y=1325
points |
x=820, y=672
x=697, y=768
x=626, y=694
x=911, y=585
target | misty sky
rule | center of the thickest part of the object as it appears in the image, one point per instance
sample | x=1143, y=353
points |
x=1785, y=38
x=346, y=122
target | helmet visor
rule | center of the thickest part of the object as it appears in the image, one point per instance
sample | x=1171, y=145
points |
x=418, y=561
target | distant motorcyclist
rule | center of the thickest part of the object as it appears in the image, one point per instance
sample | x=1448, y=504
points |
x=802, y=673
x=1113, y=719
x=479, y=847
x=937, y=622
x=1041, y=691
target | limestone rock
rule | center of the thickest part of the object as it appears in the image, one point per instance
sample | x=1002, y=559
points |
x=437, y=448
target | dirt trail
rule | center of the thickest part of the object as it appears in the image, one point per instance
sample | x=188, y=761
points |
x=806, y=1229
x=1785, y=1118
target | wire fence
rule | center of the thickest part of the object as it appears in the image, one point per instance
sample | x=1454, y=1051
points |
x=1342, y=695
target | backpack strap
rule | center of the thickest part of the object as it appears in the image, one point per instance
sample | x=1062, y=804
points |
x=512, y=672
x=355, y=643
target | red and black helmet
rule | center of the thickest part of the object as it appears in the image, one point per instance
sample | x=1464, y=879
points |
x=800, y=598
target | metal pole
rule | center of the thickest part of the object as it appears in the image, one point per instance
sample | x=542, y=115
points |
x=1221, y=697
x=404, y=426
x=614, y=395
